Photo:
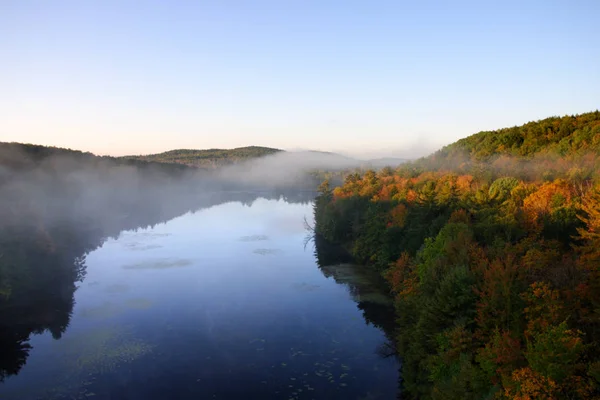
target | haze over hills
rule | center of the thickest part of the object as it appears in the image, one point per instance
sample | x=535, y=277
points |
x=479, y=207
x=214, y=158
x=209, y=158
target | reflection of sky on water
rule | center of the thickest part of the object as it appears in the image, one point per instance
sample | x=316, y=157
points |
x=222, y=302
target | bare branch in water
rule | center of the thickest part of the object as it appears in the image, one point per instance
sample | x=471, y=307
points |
x=307, y=226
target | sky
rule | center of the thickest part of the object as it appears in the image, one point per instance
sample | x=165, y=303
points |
x=366, y=78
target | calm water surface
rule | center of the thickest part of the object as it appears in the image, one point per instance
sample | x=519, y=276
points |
x=227, y=302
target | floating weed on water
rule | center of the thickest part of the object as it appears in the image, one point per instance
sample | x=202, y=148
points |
x=348, y=273
x=87, y=354
x=254, y=238
x=283, y=364
x=299, y=353
x=343, y=384
x=107, y=358
x=159, y=264
x=138, y=246
x=266, y=252
x=117, y=288
x=146, y=235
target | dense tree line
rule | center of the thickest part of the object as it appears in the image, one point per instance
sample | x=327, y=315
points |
x=210, y=158
x=491, y=248
x=22, y=157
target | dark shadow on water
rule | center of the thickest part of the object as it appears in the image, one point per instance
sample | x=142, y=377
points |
x=366, y=287
x=43, y=257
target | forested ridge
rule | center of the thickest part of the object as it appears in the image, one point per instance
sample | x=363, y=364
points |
x=209, y=158
x=491, y=248
x=22, y=157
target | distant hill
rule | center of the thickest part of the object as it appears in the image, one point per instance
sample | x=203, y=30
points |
x=24, y=156
x=210, y=158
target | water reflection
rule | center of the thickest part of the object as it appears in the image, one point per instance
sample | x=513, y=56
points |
x=220, y=295
x=366, y=288
x=42, y=261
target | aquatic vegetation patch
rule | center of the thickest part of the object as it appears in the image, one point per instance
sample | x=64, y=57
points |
x=364, y=285
x=159, y=264
x=80, y=358
x=108, y=358
x=254, y=238
x=348, y=274
x=138, y=246
x=145, y=235
x=102, y=350
x=266, y=252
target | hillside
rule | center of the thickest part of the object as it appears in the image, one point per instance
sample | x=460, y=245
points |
x=20, y=157
x=549, y=148
x=566, y=136
x=491, y=249
x=210, y=158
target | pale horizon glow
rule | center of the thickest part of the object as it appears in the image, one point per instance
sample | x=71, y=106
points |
x=376, y=79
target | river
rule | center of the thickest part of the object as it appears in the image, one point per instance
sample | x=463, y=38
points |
x=230, y=301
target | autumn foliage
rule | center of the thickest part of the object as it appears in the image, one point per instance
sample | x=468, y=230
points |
x=492, y=250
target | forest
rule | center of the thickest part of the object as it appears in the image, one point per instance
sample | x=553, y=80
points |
x=491, y=248
x=210, y=158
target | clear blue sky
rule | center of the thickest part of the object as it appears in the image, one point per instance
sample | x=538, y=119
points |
x=117, y=77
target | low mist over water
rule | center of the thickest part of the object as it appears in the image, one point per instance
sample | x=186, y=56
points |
x=229, y=301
